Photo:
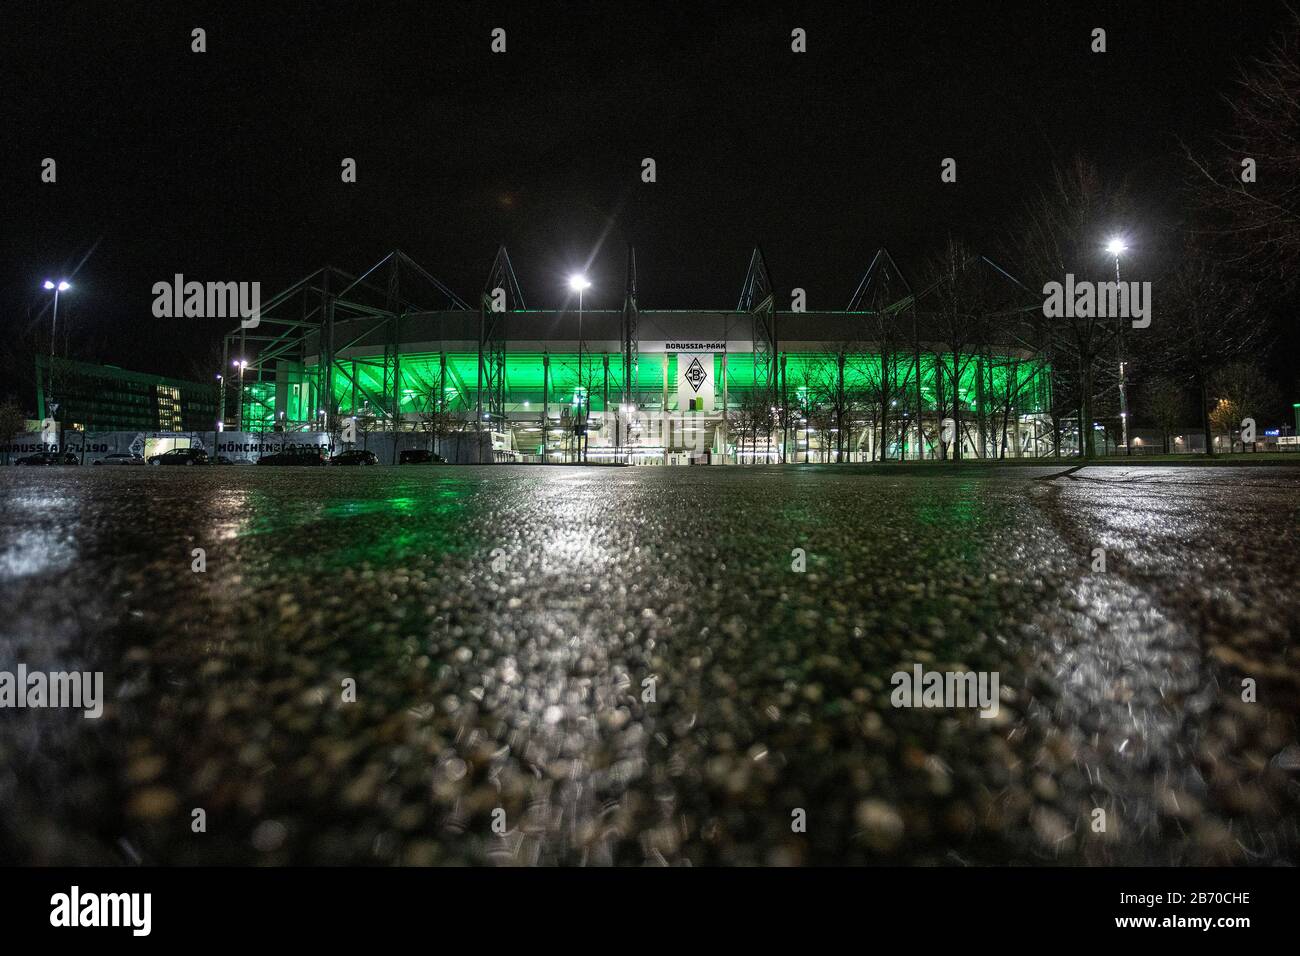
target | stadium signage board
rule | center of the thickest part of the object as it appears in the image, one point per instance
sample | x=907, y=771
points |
x=678, y=346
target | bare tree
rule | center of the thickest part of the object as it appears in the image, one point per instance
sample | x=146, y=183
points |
x=862, y=403
x=832, y=392
x=1250, y=190
x=874, y=388
x=366, y=423
x=1211, y=321
x=887, y=304
x=12, y=422
x=1061, y=234
x=805, y=398
x=751, y=417
x=959, y=305
x=1167, y=403
x=434, y=420
x=1241, y=391
x=821, y=422
x=866, y=393
x=1009, y=379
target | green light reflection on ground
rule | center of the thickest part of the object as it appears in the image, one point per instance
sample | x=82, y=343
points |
x=336, y=532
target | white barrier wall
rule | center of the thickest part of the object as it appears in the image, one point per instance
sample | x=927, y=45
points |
x=250, y=446
x=463, y=448
x=92, y=446
x=89, y=447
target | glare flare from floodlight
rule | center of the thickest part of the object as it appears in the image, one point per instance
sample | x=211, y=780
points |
x=578, y=283
x=1116, y=247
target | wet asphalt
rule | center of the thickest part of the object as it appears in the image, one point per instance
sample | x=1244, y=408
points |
x=528, y=665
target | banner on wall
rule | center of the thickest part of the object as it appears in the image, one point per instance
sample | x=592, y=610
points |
x=90, y=447
x=245, y=447
x=695, y=381
x=250, y=446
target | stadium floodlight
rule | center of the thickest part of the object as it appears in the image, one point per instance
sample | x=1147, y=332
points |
x=579, y=282
x=1116, y=247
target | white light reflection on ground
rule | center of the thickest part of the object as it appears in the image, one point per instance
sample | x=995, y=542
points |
x=48, y=548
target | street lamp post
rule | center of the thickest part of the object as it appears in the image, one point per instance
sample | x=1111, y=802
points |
x=61, y=286
x=239, y=396
x=1116, y=247
x=580, y=284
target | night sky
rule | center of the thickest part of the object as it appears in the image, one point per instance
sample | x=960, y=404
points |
x=226, y=165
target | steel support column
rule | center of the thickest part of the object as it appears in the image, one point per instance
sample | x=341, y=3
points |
x=758, y=298
x=501, y=295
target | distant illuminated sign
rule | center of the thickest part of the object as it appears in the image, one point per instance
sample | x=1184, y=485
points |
x=680, y=346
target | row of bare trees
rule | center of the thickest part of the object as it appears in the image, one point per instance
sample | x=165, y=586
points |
x=1241, y=255
x=1223, y=272
x=432, y=418
x=855, y=403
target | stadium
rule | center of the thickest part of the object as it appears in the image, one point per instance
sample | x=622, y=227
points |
x=394, y=350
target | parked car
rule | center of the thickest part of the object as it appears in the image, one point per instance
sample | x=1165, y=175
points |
x=117, y=458
x=355, y=456
x=418, y=456
x=304, y=457
x=181, y=456
x=49, y=458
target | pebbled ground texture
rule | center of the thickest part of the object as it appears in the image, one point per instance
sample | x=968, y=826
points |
x=562, y=665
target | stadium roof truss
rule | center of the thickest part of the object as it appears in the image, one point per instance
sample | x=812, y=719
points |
x=302, y=320
x=313, y=331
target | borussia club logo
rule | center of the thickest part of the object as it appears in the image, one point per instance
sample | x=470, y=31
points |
x=695, y=374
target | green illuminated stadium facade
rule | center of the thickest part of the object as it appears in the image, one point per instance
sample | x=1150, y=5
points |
x=646, y=386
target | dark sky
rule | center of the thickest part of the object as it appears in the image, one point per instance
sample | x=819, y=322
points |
x=225, y=165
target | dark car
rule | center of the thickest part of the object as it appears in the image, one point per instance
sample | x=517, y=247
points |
x=119, y=459
x=355, y=456
x=309, y=458
x=418, y=456
x=181, y=456
x=49, y=458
